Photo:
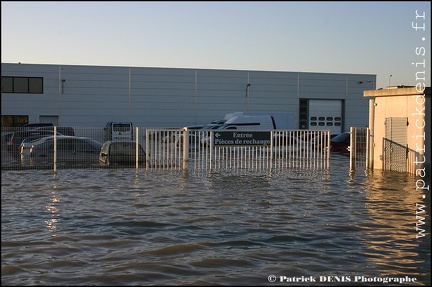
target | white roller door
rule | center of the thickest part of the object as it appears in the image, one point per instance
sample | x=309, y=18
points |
x=325, y=115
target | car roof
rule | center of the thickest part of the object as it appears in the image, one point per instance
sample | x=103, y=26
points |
x=119, y=142
x=63, y=137
x=37, y=125
x=218, y=121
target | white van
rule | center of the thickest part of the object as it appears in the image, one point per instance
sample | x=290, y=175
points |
x=119, y=131
x=249, y=122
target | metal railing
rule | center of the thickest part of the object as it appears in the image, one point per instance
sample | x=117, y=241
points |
x=195, y=149
x=182, y=149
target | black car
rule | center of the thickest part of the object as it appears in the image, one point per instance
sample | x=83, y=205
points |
x=66, y=131
x=26, y=127
x=121, y=153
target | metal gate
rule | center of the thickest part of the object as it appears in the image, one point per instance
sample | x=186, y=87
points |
x=359, y=148
x=395, y=148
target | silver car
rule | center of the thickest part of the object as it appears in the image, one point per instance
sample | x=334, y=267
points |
x=70, y=149
x=28, y=142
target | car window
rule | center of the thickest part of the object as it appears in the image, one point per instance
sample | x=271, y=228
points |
x=65, y=144
x=121, y=127
x=341, y=137
x=30, y=139
x=82, y=146
x=85, y=145
x=94, y=144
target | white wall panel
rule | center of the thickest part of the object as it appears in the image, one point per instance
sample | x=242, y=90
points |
x=94, y=95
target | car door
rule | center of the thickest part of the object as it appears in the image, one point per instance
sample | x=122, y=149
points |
x=66, y=150
x=85, y=152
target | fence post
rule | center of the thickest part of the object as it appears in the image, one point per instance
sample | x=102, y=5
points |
x=147, y=145
x=352, y=150
x=55, y=149
x=211, y=150
x=185, y=147
x=328, y=148
x=136, y=148
x=271, y=150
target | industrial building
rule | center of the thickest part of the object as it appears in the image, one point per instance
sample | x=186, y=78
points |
x=91, y=96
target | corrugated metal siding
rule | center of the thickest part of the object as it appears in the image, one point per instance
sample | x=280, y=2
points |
x=167, y=97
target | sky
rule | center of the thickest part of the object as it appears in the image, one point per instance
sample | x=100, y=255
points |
x=388, y=39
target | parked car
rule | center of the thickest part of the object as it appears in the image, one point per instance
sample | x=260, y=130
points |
x=195, y=127
x=67, y=131
x=70, y=149
x=27, y=143
x=121, y=153
x=340, y=143
x=249, y=123
x=214, y=124
x=36, y=125
x=31, y=126
x=122, y=131
x=6, y=138
x=16, y=139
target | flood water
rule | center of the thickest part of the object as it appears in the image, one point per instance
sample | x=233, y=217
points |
x=294, y=227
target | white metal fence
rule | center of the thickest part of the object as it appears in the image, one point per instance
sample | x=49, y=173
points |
x=182, y=149
x=196, y=149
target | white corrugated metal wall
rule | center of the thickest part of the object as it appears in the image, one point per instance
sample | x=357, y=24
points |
x=176, y=97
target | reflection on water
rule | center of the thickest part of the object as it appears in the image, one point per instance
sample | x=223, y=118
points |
x=392, y=232
x=128, y=227
x=54, y=211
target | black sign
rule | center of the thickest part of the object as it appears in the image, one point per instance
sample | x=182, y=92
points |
x=239, y=138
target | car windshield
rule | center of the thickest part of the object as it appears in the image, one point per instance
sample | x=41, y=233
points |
x=30, y=139
x=340, y=137
x=94, y=143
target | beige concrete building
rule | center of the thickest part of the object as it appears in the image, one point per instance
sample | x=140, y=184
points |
x=400, y=129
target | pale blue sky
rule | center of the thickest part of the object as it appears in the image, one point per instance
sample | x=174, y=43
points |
x=334, y=37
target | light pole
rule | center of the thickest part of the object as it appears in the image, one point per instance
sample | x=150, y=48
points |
x=247, y=96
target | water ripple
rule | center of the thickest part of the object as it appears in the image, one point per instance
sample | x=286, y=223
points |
x=119, y=227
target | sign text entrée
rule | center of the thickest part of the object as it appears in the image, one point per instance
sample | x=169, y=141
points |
x=237, y=138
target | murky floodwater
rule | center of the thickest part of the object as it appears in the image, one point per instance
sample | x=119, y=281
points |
x=119, y=227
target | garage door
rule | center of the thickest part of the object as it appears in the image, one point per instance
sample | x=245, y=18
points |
x=325, y=115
